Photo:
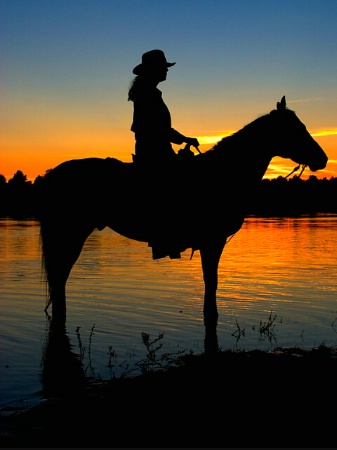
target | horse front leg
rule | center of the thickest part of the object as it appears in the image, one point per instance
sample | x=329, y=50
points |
x=210, y=256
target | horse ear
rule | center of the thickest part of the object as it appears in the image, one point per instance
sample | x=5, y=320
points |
x=282, y=104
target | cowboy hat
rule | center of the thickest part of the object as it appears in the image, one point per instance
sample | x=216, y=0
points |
x=153, y=58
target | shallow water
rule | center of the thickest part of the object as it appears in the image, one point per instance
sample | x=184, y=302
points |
x=280, y=272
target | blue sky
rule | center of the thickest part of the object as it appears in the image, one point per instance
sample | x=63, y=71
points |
x=66, y=66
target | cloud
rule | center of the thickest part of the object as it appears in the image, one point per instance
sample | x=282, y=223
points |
x=306, y=100
x=214, y=138
x=324, y=132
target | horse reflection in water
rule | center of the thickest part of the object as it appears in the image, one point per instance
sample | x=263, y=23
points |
x=209, y=197
x=62, y=369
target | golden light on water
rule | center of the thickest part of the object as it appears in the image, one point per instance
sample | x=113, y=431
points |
x=109, y=261
x=284, y=268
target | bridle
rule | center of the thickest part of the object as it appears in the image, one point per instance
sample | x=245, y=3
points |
x=302, y=166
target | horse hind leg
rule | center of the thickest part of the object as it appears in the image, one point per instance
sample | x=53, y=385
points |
x=61, y=246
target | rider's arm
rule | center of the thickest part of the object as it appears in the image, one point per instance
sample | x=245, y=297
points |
x=178, y=138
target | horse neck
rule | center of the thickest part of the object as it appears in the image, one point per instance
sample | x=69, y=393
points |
x=251, y=148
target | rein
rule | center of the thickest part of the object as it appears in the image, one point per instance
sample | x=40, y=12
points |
x=296, y=169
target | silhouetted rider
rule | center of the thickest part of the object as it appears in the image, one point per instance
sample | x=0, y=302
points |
x=154, y=136
x=151, y=117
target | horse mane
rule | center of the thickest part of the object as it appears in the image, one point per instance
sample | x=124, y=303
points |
x=256, y=124
x=225, y=144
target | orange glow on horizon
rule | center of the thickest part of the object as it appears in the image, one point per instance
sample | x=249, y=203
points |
x=217, y=136
x=41, y=153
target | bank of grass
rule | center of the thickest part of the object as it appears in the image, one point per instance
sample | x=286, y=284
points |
x=282, y=398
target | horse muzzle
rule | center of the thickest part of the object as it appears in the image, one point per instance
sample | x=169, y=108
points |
x=320, y=164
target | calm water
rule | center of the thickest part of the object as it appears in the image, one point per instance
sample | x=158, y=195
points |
x=278, y=269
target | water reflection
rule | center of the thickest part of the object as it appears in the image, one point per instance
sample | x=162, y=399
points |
x=284, y=265
x=211, y=345
x=62, y=368
x=63, y=372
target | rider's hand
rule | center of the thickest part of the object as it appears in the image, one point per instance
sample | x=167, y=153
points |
x=192, y=141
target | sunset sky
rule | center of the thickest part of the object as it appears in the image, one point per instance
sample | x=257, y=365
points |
x=66, y=66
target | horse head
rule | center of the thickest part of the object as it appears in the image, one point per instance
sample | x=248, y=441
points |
x=294, y=140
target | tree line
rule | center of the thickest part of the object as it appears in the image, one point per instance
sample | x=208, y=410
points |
x=273, y=197
x=19, y=196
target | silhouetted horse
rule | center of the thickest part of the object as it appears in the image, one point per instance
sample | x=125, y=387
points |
x=207, y=199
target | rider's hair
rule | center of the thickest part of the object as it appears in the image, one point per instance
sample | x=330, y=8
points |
x=139, y=83
x=135, y=86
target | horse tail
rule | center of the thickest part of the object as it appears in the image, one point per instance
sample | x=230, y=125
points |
x=43, y=213
x=45, y=245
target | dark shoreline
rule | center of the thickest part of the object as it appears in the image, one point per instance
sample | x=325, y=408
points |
x=285, y=398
